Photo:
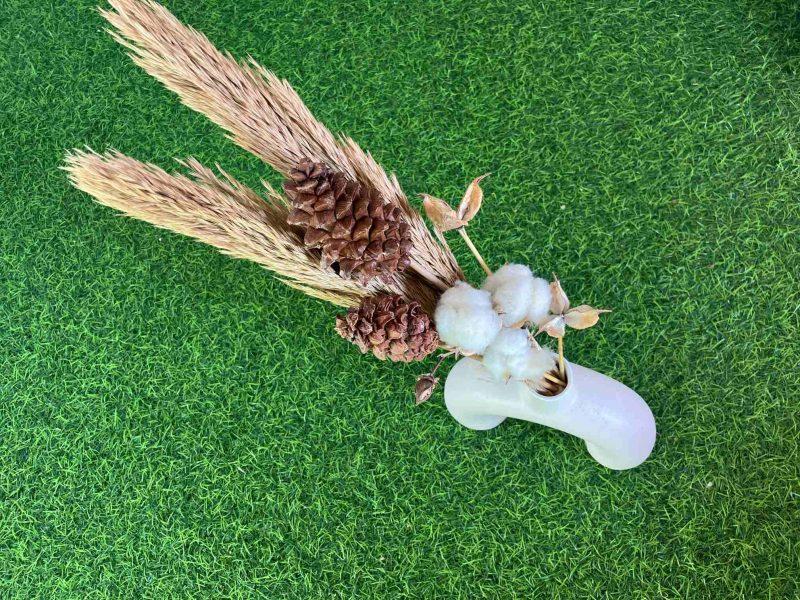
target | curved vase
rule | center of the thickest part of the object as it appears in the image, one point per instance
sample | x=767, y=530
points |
x=615, y=422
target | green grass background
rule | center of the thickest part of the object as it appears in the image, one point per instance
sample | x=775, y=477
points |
x=174, y=423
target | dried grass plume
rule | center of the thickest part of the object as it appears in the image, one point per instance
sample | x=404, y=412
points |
x=218, y=211
x=261, y=112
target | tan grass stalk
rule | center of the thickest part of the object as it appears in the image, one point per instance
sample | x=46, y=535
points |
x=261, y=112
x=218, y=211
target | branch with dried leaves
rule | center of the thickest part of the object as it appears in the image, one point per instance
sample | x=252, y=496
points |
x=559, y=315
x=445, y=218
x=562, y=316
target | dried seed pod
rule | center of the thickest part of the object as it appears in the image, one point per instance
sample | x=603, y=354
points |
x=472, y=200
x=559, y=302
x=441, y=214
x=424, y=388
x=583, y=316
x=554, y=326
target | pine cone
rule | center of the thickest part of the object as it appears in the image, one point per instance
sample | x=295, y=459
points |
x=391, y=327
x=360, y=235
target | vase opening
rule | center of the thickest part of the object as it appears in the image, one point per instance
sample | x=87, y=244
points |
x=553, y=384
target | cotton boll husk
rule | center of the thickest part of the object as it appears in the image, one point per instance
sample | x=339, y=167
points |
x=507, y=355
x=540, y=301
x=465, y=318
x=537, y=363
x=512, y=289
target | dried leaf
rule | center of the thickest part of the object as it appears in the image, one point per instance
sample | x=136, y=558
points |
x=559, y=303
x=472, y=200
x=426, y=384
x=441, y=214
x=554, y=327
x=583, y=316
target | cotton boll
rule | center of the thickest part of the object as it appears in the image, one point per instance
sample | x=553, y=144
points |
x=540, y=301
x=508, y=355
x=505, y=274
x=537, y=363
x=512, y=288
x=465, y=319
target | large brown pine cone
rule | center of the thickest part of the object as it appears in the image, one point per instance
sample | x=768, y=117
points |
x=391, y=327
x=360, y=235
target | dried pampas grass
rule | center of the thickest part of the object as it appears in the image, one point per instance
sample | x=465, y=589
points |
x=262, y=113
x=219, y=211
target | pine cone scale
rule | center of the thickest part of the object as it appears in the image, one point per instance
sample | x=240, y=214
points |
x=326, y=202
x=322, y=220
x=314, y=237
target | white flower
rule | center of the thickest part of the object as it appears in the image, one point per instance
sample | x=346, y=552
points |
x=465, y=318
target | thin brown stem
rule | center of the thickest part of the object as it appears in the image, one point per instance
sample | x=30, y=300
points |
x=474, y=250
x=540, y=385
x=441, y=360
x=547, y=386
x=561, y=356
x=553, y=378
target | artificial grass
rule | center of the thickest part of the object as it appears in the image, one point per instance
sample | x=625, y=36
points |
x=174, y=423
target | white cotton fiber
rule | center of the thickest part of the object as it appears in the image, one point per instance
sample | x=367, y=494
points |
x=507, y=356
x=512, y=292
x=539, y=362
x=465, y=319
x=511, y=356
x=518, y=295
x=540, y=301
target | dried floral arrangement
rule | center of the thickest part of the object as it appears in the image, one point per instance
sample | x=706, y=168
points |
x=341, y=230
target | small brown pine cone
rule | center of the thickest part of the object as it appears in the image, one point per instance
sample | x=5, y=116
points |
x=390, y=327
x=360, y=234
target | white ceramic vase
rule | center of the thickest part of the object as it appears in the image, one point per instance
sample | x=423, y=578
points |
x=616, y=424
